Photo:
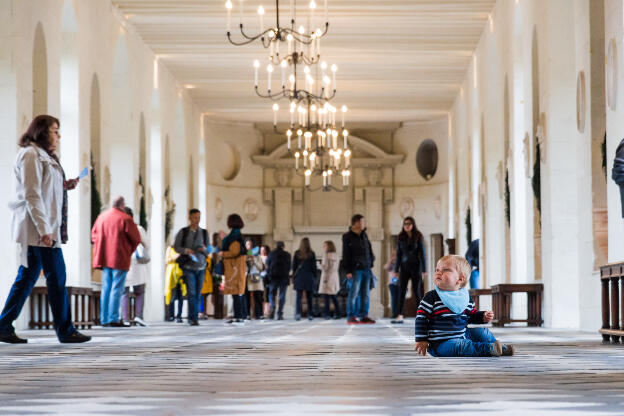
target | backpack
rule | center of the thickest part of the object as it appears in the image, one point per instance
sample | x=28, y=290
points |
x=185, y=233
x=185, y=260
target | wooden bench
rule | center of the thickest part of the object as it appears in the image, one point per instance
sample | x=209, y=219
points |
x=85, y=304
x=612, y=280
x=476, y=293
x=501, y=303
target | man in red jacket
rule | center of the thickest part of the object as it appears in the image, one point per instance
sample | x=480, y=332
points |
x=115, y=236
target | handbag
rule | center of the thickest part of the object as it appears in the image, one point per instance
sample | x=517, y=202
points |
x=140, y=255
x=254, y=274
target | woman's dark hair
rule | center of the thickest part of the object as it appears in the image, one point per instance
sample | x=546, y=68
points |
x=266, y=248
x=331, y=247
x=416, y=234
x=304, y=248
x=249, y=240
x=216, y=239
x=235, y=221
x=129, y=211
x=39, y=132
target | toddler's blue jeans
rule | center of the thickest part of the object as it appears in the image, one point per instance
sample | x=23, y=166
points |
x=477, y=343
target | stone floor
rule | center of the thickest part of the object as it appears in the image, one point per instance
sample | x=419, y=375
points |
x=318, y=367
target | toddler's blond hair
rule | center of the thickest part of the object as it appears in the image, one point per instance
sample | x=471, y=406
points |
x=460, y=264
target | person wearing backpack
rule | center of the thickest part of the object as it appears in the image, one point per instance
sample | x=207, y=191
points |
x=278, y=270
x=191, y=243
x=235, y=265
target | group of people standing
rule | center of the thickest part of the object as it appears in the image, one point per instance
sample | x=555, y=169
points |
x=263, y=276
x=121, y=251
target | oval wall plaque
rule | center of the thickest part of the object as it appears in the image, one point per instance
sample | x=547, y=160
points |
x=427, y=159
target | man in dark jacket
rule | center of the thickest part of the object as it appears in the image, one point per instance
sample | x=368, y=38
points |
x=278, y=270
x=358, y=259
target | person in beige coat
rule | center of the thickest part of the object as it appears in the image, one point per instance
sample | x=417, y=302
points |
x=235, y=267
x=330, y=279
x=255, y=285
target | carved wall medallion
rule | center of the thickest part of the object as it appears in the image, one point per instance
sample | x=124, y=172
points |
x=218, y=209
x=406, y=207
x=251, y=209
x=373, y=176
x=283, y=177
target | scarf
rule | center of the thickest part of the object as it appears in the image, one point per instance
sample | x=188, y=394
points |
x=235, y=235
x=456, y=300
x=66, y=186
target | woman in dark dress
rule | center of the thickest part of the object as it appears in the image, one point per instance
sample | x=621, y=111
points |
x=410, y=264
x=304, y=272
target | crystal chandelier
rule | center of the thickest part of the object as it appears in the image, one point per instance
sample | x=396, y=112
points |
x=318, y=148
x=308, y=91
x=298, y=36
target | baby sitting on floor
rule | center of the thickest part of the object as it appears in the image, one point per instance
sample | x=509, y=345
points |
x=444, y=313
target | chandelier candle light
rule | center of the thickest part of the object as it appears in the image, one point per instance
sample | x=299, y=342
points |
x=317, y=84
x=303, y=39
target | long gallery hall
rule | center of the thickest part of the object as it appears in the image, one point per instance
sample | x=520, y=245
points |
x=312, y=206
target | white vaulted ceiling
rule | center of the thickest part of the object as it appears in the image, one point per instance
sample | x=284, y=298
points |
x=398, y=60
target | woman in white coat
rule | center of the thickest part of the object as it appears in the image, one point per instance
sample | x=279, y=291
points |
x=330, y=279
x=136, y=277
x=40, y=226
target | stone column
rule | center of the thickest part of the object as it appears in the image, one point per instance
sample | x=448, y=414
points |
x=8, y=143
x=282, y=211
x=374, y=225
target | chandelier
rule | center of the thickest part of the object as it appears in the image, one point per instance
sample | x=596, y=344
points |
x=298, y=36
x=315, y=143
x=317, y=85
x=317, y=151
x=312, y=120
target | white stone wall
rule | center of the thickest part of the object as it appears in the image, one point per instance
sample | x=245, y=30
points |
x=84, y=39
x=506, y=52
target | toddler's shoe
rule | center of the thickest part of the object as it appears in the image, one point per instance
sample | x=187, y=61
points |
x=496, y=349
x=508, y=350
